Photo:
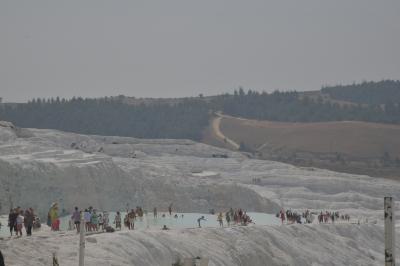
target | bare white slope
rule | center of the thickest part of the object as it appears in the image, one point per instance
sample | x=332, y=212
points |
x=38, y=167
x=48, y=165
x=342, y=244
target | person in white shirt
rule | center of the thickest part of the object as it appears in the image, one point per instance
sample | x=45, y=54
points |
x=87, y=216
x=20, y=223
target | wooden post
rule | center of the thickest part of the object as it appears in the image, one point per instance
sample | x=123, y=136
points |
x=82, y=229
x=390, y=246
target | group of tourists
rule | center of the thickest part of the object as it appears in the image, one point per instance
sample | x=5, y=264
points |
x=290, y=216
x=237, y=217
x=332, y=217
x=94, y=221
x=18, y=219
x=99, y=221
x=130, y=217
x=308, y=217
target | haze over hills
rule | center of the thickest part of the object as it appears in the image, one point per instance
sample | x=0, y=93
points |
x=212, y=133
x=40, y=166
x=189, y=118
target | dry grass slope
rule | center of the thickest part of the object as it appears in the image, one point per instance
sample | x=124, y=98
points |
x=349, y=146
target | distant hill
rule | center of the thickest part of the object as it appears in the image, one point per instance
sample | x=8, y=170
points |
x=373, y=93
x=304, y=107
x=112, y=116
x=348, y=146
x=188, y=118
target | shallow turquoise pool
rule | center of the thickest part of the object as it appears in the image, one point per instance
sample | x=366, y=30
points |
x=184, y=220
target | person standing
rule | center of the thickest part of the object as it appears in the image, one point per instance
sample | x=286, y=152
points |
x=220, y=219
x=28, y=221
x=94, y=220
x=87, y=216
x=117, y=220
x=53, y=216
x=12, y=220
x=131, y=220
x=155, y=212
x=76, y=218
x=106, y=219
x=228, y=218
x=282, y=214
x=20, y=223
x=170, y=209
x=100, y=222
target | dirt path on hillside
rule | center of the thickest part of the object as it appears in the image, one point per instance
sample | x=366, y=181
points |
x=217, y=131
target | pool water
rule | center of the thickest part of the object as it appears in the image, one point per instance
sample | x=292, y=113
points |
x=184, y=220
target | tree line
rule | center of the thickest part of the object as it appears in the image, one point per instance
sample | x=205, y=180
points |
x=111, y=116
x=382, y=92
x=188, y=117
x=291, y=107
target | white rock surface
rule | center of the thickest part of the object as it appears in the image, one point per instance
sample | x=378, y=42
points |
x=74, y=169
x=38, y=167
x=303, y=245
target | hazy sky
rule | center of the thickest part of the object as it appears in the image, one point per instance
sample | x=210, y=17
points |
x=171, y=48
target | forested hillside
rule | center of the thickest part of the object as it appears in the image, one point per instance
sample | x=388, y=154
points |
x=110, y=116
x=188, y=117
x=288, y=106
x=382, y=92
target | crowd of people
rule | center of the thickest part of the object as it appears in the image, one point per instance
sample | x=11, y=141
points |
x=95, y=221
x=308, y=217
x=130, y=217
x=19, y=219
x=237, y=217
x=332, y=217
x=100, y=221
x=290, y=216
